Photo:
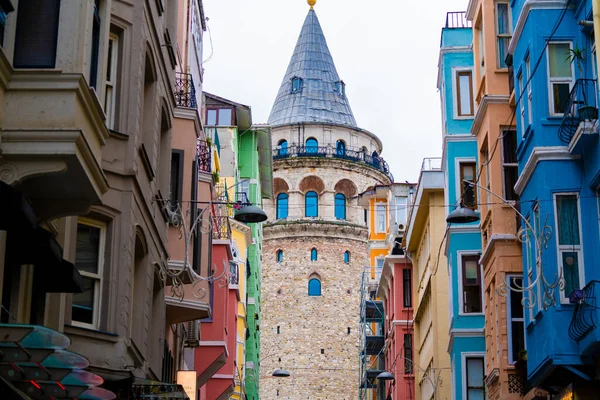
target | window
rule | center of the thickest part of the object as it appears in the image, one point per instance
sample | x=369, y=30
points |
x=36, y=48
x=401, y=210
x=244, y=193
x=381, y=220
x=340, y=88
x=502, y=32
x=313, y=254
x=560, y=76
x=219, y=117
x=176, y=189
x=340, y=148
x=279, y=256
x=529, y=93
x=340, y=206
x=110, y=98
x=464, y=93
x=95, y=45
x=311, y=204
x=296, y=84
x=407, y=287
x=475, y=377
x=347, y=257
x=89, y=260
x=314, y=287
x=468, y=193
x=569, y=241
x=379, y=268
x=283, y=148
x=408, y=354
x=282, y=205
x=312, y=146
x=522, y=104
x=485, y=166
x=510, y=168
x=471, y=282
x=516, y=322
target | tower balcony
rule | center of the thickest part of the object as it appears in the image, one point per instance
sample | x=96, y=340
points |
x=352, y=154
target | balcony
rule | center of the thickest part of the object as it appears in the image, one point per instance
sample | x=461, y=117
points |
x=331, y=151
x=584, y=327
x=457, y=19
x=204, y=157
x=185, y=92
x=580, y=122
x=431, y=164
x=221, y=229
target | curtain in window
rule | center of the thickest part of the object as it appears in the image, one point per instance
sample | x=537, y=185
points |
x=568, y=220
x=314, y=287
x=340, y=206
x=311, y=205
x=282, y=205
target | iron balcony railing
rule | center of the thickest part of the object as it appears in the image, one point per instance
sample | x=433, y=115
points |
x=204, y=156
x=457, y=19
x=234, y=274
x=581, y=107
x=331, y=151
x=584, y=316
x=185, y=92
x=221, y=229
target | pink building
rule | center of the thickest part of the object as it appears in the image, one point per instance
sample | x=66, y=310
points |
x=395, y=291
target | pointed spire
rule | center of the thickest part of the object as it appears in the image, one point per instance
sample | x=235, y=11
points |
x=312, y=90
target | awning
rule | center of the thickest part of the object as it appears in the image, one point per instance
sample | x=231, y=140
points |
x=158, y=391
x=34, y=363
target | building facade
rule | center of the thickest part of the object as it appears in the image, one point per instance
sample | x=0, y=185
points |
x=315, y=241
x=423, y=238
x=498, y=171
x=556, y=117
x=463, y=242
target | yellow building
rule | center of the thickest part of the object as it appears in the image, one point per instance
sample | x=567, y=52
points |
x=423, y=241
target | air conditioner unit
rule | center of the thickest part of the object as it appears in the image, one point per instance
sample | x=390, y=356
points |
x=192, y=336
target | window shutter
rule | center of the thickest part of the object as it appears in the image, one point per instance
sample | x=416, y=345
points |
x=37, y=33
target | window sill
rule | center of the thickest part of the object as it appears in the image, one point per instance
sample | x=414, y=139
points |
x=552, y=120
x=464, y=117
x=501, y=71
x=91, y=333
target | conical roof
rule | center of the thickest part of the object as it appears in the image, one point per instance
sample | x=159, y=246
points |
x=318, y=95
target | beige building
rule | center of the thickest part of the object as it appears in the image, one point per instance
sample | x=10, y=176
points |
x=423, y=240
x=316, y=239
x=86, y=116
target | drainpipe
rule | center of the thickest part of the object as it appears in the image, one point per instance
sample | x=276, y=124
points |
x=596, y=16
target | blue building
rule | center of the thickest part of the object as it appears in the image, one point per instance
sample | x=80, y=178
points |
x=463, y=242
x=555, y=91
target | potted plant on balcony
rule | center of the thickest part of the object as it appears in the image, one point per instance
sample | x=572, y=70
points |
x=586, y=111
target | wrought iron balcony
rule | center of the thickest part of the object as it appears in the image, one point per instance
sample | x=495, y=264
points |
x=331, y=151
x=204, y=156
x=581, y=108
x=457, y=19
x=585, y=316
x=221, y=229
x=185, y=92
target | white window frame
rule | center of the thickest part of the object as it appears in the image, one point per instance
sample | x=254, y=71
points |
x=552, y=81
x=521, y=103
x=461, y=300
x=502, y=36
x=379, y=269
x=110, y=92
x=97, y=276
x=464, y=357
x=564, y=299
x=529, y=92
x=457, y=167
x=402, y=205
x=377, y=214
x=455, y=72
x=512, y=358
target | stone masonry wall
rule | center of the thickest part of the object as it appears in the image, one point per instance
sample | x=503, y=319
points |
x=313, y=342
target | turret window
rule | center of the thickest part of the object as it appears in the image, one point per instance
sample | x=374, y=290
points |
x=314, y=286
x=283, y=148
x=279, y=256
x=311, y=204
x=282, y=205
x=340, y=206
x=340, y=88
x=313, y=254
x=347, y=257
x=312, y=146
x=340, y=148
x=296, y=84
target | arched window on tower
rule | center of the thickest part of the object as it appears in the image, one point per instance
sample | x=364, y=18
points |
x=279, y=256
x=313, y=254
x=347, y=257
x=283, y=148
x=340, y=206
x=311, y=204
x=340, y=148
x=312, y=146
x=314, y=286
x=282, y=205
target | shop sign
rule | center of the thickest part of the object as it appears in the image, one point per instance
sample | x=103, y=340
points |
x=187, y=379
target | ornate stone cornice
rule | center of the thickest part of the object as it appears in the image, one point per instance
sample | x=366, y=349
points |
x=312, y=228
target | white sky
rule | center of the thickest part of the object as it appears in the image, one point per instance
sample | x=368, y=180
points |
x=385, y=50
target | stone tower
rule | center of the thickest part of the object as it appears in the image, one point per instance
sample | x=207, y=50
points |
x=316, y=239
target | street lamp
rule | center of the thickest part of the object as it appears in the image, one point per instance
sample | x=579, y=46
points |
x=462, y=215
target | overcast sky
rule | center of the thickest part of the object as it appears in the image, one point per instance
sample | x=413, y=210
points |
x=386, y=51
